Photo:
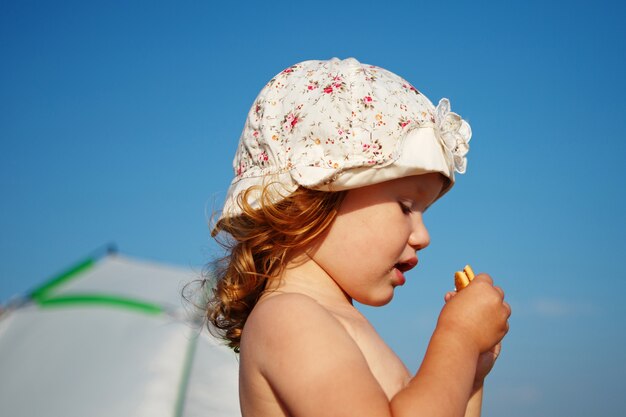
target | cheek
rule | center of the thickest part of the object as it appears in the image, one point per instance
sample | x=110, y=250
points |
x=347, y=246
x=359, y=235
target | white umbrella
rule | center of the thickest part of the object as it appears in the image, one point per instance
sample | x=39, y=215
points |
x=111, y=337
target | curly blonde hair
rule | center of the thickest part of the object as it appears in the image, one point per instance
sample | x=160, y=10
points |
x=259, y=243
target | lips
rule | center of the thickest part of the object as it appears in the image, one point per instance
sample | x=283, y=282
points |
x=401, y=267
x=406, y=265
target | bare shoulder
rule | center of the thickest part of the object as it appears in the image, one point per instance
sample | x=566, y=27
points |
x=308, y=358
x=285, y=308
x=283, y=321
x=289, y=300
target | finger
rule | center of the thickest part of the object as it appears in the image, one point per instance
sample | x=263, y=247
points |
x=500, y=291
x=484, y=277
x=497, y=348
x=507, y=309
x=449, y=295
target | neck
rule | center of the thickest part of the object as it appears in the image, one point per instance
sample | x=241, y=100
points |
x=303, y=275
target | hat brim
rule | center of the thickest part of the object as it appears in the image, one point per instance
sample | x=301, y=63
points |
x=420, y=152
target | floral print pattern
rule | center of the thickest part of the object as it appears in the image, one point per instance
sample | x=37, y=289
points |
x=338, y=115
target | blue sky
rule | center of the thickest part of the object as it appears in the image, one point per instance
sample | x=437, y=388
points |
x=119, y=121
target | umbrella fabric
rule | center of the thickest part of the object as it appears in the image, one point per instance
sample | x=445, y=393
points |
x=111, y=337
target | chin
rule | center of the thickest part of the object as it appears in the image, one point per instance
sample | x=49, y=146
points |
x=375, y=301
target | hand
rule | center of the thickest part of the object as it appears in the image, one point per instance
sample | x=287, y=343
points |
x=484, y=365
x=486, y=360
x=478, y=314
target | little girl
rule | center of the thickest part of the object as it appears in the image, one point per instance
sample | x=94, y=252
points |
x=336, y=165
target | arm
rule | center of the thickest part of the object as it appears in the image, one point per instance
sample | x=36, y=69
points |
x=485, y=363
x=464, y=347
x=315, y=368
x=475, y=403
x=443, y=384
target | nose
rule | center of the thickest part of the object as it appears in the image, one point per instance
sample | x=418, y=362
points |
x=419, y=237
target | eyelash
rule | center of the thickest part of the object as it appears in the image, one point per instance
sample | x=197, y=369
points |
x=405, y=209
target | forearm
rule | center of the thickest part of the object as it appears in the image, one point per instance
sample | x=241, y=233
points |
x=443, y=384
x=475, y=403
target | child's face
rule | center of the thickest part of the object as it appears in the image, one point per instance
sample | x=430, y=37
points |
x=375, y=237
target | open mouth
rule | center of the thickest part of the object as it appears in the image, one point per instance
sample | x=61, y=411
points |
x=406, y=266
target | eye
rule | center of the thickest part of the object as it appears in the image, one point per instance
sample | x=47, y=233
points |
x=405, y=207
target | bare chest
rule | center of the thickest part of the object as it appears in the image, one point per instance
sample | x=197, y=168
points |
x=385, y=365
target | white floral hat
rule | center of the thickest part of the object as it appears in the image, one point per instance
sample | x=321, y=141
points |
x=340, y=124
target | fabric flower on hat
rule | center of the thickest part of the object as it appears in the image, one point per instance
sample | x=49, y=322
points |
x=339, y=124
x=454, y=132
